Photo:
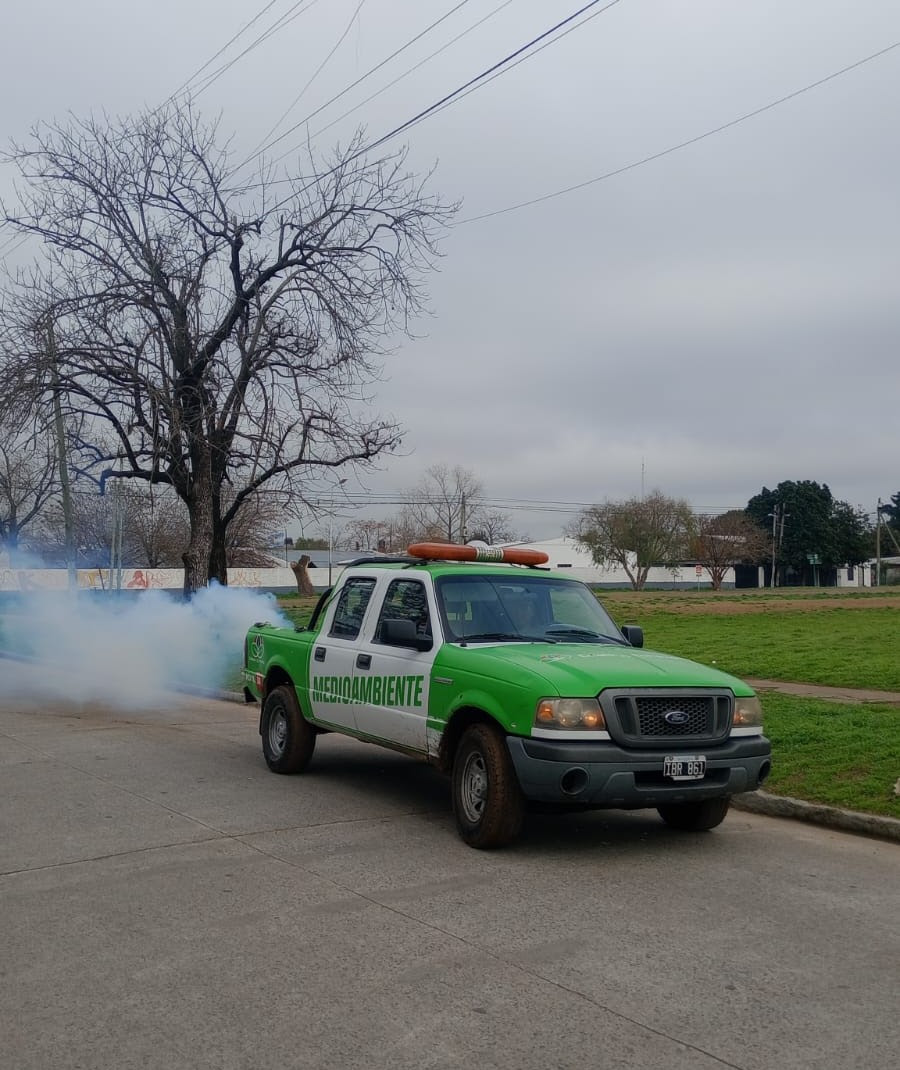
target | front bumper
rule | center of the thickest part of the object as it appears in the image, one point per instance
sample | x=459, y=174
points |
x=605, y=775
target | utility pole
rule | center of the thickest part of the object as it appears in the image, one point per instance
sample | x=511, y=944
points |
x=118, y=525
x=878, y=544
x=774, y=517
x=462, y=521
x=784, y=516
x=68, y=515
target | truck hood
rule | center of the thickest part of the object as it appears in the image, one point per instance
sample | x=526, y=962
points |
x=582, y=669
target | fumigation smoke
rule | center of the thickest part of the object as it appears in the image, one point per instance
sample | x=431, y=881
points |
x=131, y=651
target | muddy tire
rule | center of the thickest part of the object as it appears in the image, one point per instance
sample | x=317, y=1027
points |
x=487, y=801
x=288, y=739
x=695, y=816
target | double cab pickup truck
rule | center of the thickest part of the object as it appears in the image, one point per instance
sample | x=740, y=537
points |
x=514, y=681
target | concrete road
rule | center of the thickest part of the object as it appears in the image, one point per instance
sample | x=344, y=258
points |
x=167, y=902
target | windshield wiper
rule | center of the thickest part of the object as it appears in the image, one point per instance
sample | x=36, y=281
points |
x=583, y=635
x=502, y=637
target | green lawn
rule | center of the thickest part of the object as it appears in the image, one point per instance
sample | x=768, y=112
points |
x=833, y=640
x=832, y=753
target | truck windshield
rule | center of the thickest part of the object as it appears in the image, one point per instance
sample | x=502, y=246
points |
x=522, y=608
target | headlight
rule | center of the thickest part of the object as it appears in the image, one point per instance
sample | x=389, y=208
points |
x=569, y=713
x=747, y=713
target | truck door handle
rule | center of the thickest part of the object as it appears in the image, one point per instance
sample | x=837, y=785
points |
x=363, y=661
x=320, y=653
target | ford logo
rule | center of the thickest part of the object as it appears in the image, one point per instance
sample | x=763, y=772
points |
x=676, y=717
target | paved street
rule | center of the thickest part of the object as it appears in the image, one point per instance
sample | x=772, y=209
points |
x=167, y=902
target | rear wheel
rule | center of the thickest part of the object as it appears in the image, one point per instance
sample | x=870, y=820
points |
x=695, y=816
x=487, y=800
x=288, y=739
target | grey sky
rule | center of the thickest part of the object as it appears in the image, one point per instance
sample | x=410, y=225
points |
x=723, y=318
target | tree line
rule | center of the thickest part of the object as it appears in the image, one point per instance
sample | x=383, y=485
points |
x=797, y=531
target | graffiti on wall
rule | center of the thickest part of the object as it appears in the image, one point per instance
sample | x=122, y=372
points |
x=133, y=579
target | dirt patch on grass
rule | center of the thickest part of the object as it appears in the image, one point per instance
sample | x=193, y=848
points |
x=784, y=605
x=729, y=603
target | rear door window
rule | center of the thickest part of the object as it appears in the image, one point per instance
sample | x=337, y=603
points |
x=351, y=608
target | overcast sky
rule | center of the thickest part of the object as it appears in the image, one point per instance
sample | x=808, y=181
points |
x=717, y=320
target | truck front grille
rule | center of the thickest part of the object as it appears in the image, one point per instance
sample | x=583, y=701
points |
x=666, y=717
x=651, y=712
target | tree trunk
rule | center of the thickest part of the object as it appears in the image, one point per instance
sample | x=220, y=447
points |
x=304, y=583
x=218, y=562
x=198, y=556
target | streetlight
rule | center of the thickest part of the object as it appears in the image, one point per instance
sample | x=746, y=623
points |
x=774, y=517
x=777, y=539
x=341, y=482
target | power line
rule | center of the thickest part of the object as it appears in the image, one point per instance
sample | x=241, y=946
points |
x=411, y=70
x=312, y=77
x=528, y=55
x=14, y=243
x=352, y=85
x=224, y=47
x=682, y=144
x=452, y=96
x=289, y=16
x=374, y=499
x=448, y=97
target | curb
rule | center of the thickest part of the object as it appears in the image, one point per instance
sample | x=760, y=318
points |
x=761, y=802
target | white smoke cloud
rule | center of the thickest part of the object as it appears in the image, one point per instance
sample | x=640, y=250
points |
x=131, y=651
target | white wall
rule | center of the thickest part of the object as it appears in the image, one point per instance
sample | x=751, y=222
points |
x=569, y=556
x=164, y=579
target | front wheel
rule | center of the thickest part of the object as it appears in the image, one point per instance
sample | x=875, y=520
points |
x=487, y=800
x=695, y=816
x=288, y=739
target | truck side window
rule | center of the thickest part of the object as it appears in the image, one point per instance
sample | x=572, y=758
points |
x=351, y=608
x=405, y=600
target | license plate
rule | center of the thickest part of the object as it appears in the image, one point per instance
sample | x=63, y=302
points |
x=684, y=766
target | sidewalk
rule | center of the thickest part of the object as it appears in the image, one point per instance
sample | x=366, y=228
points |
x=835, y=694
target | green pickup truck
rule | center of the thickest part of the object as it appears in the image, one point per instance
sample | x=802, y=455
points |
x=516, y=682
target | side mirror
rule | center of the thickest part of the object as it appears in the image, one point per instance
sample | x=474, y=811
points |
x=403, y=633
x=633, y=633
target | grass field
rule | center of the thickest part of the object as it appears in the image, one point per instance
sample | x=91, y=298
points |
x=817, y=636
x=832, y=753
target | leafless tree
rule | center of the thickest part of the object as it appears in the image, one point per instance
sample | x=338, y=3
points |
x=495, y=527
x=363, y=534
x=154, y=528
x=636, y=534
x=28, y=481
x=220, y=327
x=92, y=520
x=721, y=542
x=442, y=505
x=256, y=534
